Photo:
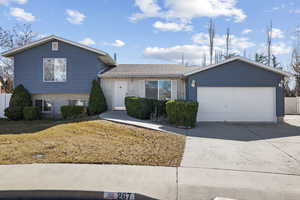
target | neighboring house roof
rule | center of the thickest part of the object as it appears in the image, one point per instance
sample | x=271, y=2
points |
x=272, y=69
x=44, y=40
x=147, y=70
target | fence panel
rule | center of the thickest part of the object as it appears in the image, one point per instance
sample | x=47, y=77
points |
x=292, y=105
x=4, y=102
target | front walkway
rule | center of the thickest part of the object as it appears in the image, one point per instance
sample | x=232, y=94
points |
x=122, y=117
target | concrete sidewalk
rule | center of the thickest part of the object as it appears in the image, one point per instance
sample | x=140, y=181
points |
x=153, y=182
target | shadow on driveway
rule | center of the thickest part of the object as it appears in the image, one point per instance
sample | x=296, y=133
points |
x=218, y=130
x=243, y=131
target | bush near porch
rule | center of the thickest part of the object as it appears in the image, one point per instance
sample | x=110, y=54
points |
x=142, y=108
x=178, y=112
x=182, y=113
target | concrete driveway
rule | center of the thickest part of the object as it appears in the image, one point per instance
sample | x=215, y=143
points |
x=268, y=148
x=238, y=161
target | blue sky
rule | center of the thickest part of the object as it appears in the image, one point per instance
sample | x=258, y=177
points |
x=159, y=31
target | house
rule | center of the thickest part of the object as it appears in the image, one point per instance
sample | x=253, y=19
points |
x=59, y=72
x=237, y=89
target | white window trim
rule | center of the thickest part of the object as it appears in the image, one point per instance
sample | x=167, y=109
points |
x=55, y=81
x=86, y=101
x=53, y=45
x=158, y=87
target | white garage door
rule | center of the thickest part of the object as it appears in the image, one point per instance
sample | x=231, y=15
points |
x=248, y=104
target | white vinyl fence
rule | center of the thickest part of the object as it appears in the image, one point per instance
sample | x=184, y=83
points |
x=4, y=102
x=292, y=105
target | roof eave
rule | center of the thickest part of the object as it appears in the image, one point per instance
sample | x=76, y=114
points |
x=287, y=74
x=12, y=52
x=140, y=76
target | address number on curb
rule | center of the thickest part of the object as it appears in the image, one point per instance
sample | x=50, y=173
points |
x=118, y=196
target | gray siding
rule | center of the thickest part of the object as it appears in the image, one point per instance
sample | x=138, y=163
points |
x=237, y=74
x=82, y=67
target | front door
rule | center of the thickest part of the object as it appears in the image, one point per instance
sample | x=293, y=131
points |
x=120, y=92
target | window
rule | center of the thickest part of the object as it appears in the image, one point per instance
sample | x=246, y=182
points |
x=160, y=89
x=54, y=46
x=151, y=89
x=44, y=105
x=77, y=103
x=55, y=69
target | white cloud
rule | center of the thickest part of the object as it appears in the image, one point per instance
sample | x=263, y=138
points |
x=22, y=15
x=7, y=2
x=238, y=44
x=277, y=33
x=172, y=26
x=280, y=48
x=116, y=43
x=87, y=41
x=75, y=17
x=149, y=8
x=187, y=10
x=282, y=6
x=192, y=53
x=246, y=31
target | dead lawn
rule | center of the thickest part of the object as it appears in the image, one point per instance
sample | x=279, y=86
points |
x=92, y=141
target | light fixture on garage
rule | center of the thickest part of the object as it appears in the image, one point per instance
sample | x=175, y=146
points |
x=193, y=83
x=281, y=83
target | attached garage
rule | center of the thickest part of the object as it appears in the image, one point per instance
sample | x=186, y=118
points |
x=237, y=90
x=253, y=104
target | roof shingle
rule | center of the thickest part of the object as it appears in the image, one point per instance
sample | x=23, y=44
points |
x=148, y=70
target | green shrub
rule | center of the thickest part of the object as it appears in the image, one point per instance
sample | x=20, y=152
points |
x=182, y=113
x=158, y=108
x=143, y=108
x=97, y=102
x=31, y=113
x=19, y=99
x=14, y=113
x=72, y=112
x=138, y=107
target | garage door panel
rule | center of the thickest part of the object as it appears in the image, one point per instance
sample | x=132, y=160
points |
x=236, y=104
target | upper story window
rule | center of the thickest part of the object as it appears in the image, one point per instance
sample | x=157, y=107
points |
x=55, y=69
x=54, y=46
x=160, y=89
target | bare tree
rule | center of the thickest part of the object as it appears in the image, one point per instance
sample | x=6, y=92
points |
x=296, y=62
x=228, y=39
x=269, y=42
x=261, y=58
x=6, y=85
x=211, y=33
x=204, y=59
x=275, y=63
x=182, y=59
x=17, y=36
